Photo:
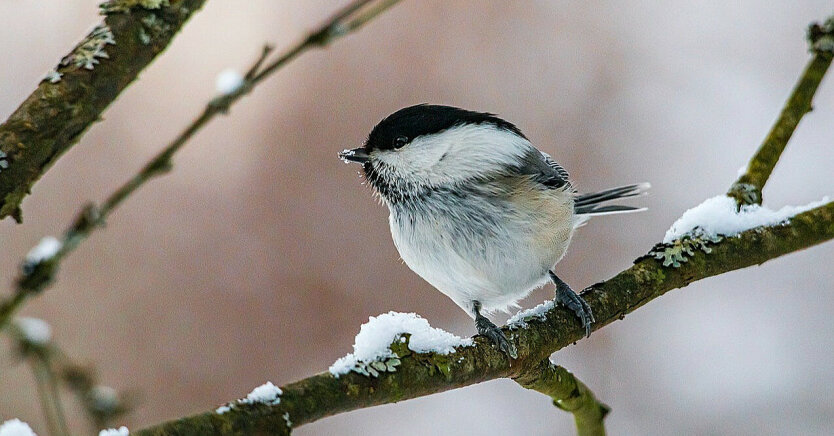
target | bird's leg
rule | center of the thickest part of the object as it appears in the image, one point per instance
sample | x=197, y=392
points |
x=487, y=328
x=569, y=299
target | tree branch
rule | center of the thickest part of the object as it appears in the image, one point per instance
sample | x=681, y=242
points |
x=50, y=363
x=33, y=345
x=49, y=396
x=748, y=188
x=418, y=375
x=568, y=394
x=54, y=117
x=38, y=276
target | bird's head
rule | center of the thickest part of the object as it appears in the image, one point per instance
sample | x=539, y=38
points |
x=427, y=146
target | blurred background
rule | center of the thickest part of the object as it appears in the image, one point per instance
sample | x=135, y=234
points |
x=261, y=254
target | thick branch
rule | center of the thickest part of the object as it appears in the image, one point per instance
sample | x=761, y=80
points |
x=54, y=117
x=422, y=374
x=568, y=394
x=748, y=188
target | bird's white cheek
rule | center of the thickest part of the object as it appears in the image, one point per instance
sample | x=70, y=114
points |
x=413, y=161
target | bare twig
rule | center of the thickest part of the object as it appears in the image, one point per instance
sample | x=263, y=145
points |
x=49, y=395
x=568, y=394
x=52, y=365
x=748, y=188
x=347, y=20
x=36, y=351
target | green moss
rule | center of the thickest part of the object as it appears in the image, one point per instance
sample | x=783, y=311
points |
x=11, y=205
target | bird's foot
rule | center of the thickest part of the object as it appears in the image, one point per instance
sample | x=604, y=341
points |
x=569, y=299
x=496, y=335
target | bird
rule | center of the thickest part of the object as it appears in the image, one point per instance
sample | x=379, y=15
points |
x=476, y=210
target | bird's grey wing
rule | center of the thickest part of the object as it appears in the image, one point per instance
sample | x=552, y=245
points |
x=563, y=173
x=544, y=170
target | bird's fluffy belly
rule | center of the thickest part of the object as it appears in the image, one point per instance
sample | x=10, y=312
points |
x=495, y=254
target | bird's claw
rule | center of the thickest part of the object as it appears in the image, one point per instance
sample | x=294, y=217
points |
x=497, y=336
x=569, y=299
x=578, y=305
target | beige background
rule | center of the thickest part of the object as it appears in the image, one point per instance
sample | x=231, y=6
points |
x=260, y=255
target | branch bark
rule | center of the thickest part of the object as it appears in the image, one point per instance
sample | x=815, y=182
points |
x=568, y=394
x=422, y=374
x=748, y=188
x=324, y=395
x=418, y=375
x=54, y=117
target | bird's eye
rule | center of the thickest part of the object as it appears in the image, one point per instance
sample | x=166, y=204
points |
x=400, y=142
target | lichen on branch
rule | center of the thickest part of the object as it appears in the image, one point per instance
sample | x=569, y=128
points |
x=417, y=375
x=73, y=96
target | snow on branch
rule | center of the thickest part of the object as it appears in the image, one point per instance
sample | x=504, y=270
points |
x=720, y=216
x=760, y=234
x=16, y=427
x=421, y=374
x=372, y=353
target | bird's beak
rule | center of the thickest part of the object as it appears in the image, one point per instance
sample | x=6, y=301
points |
x=357, y=155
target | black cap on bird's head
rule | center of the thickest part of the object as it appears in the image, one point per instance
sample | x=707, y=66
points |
x=400, y=128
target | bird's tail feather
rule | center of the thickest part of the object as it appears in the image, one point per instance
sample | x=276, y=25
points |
x=591, y=204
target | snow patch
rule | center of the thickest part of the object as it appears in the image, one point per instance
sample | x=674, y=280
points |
x=34, y=330
x=266, y=393
x=104, y=397
x=375, y=336
x=16, y=427
x=228, y=81
x=121, y=431
x=718, y=216
x=519, y=320
x=46, y=249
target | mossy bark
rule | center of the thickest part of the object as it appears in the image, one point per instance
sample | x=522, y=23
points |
x=748, y=188
x=55, y=116
x=568, y=394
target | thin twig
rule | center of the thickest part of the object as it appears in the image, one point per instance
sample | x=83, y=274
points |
x=748, y=188
x=345, y=21
x=48, y=393
x=51, y=365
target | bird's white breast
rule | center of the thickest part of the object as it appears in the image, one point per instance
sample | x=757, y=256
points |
x=492, y=243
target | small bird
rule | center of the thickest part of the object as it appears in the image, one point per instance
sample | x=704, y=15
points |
x=476, y=210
